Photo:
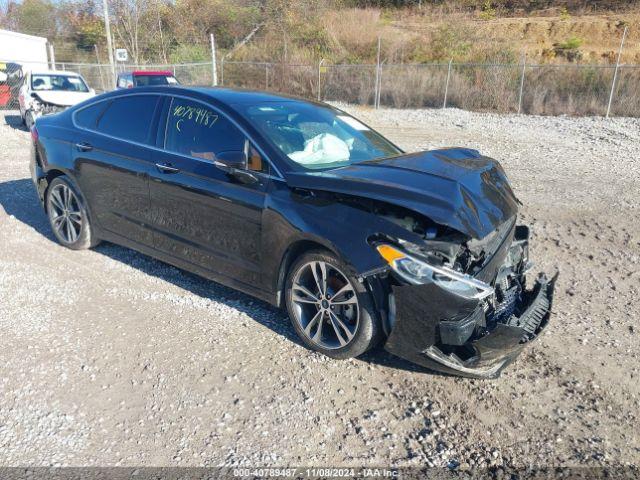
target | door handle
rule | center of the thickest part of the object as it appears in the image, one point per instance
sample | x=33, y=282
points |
x=84, y=147
x=166, y=168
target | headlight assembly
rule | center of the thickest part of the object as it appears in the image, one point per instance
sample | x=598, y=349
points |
x=417, y=272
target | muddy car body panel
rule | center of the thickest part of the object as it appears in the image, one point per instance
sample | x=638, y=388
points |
x=432, y=236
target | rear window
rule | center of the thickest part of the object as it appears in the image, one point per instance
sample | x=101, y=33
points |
x=88, y=117
x=129, y=118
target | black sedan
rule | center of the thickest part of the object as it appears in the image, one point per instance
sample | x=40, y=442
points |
x=304, y=206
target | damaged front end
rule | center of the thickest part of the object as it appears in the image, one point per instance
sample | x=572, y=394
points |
x=463, y=307
x=41, y=107
x=448, y=266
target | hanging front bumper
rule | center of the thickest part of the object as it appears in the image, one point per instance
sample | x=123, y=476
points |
x=443, y=332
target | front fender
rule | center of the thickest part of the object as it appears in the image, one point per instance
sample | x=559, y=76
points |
x=293, y=216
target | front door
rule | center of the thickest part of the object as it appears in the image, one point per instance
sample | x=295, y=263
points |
x=203, y=214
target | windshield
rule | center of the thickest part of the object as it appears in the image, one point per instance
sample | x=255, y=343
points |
x=65, y=83
x=148, y=80
x=318, y=137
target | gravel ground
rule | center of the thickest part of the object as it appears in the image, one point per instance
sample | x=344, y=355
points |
x=112, y=358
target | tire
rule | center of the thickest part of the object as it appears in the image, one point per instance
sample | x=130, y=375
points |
x=311, y=310
x=68, y=215
x=29, y=119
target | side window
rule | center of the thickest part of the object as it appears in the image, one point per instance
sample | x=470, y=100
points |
x=129, y=117
x=199, y=131
x=88, y=116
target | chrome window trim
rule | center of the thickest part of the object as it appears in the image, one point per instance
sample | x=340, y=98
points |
x=153, y=147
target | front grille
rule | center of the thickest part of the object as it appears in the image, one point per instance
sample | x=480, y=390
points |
x=50, y=109
x=507, y=305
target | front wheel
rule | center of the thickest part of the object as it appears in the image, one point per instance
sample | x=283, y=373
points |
x=68, y=215
x=29, y=119
x=330, y=310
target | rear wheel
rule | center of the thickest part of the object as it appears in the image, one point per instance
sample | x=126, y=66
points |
x=330, y=310
x=68, y=215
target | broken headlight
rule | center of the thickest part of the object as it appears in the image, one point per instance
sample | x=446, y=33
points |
x=418, y=272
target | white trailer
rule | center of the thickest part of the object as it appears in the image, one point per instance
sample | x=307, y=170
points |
x=27, y=50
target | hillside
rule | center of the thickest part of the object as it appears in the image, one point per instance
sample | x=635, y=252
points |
x=414, y=36
x=340, y=31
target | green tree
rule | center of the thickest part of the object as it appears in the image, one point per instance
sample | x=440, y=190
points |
x=37, y=17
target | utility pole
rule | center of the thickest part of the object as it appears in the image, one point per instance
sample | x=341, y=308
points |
x=214, y=69
x=107, y=28
x=615, y=72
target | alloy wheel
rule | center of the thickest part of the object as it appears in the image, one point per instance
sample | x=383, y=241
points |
x=64, y=213
x=325, y=305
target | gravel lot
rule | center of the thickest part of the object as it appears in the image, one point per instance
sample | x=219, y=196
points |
x=112, y=358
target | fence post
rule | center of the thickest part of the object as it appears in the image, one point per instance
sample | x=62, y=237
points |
x=214, y=71
x=377, y=85
x=446, y=85
x=319, y=74
x=99, y=65
x=615, y=72
x=524, y=66
x=52, y=57
x=266, y=76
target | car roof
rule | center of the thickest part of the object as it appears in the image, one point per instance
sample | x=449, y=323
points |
x=224, y=95
x=245, y=96
x=65, y=73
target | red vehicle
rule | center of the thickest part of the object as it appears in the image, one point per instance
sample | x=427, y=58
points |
x=146, y=78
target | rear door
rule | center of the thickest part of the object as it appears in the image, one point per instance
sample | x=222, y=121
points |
x=113, y=159
x=204, y=215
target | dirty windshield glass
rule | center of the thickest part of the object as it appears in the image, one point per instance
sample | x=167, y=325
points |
x=67, y=83
x=318, y=137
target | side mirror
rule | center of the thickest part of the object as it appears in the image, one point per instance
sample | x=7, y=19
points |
x=232, y=159
x=34, y=95
x=92, y=91
x=234, y=163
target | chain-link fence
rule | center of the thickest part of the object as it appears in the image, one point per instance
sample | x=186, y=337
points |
x=547, y=89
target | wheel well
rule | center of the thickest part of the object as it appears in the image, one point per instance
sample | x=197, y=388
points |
x=49, y=177
x=294, y=252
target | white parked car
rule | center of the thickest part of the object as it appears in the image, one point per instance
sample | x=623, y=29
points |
x=45, y=92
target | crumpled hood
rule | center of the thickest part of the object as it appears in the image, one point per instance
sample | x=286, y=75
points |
x=62, y=98
x=455, y=187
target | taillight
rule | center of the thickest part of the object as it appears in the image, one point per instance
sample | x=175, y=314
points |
x=34, y=134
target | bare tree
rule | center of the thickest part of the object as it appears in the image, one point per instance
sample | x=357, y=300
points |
x=128, y=24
